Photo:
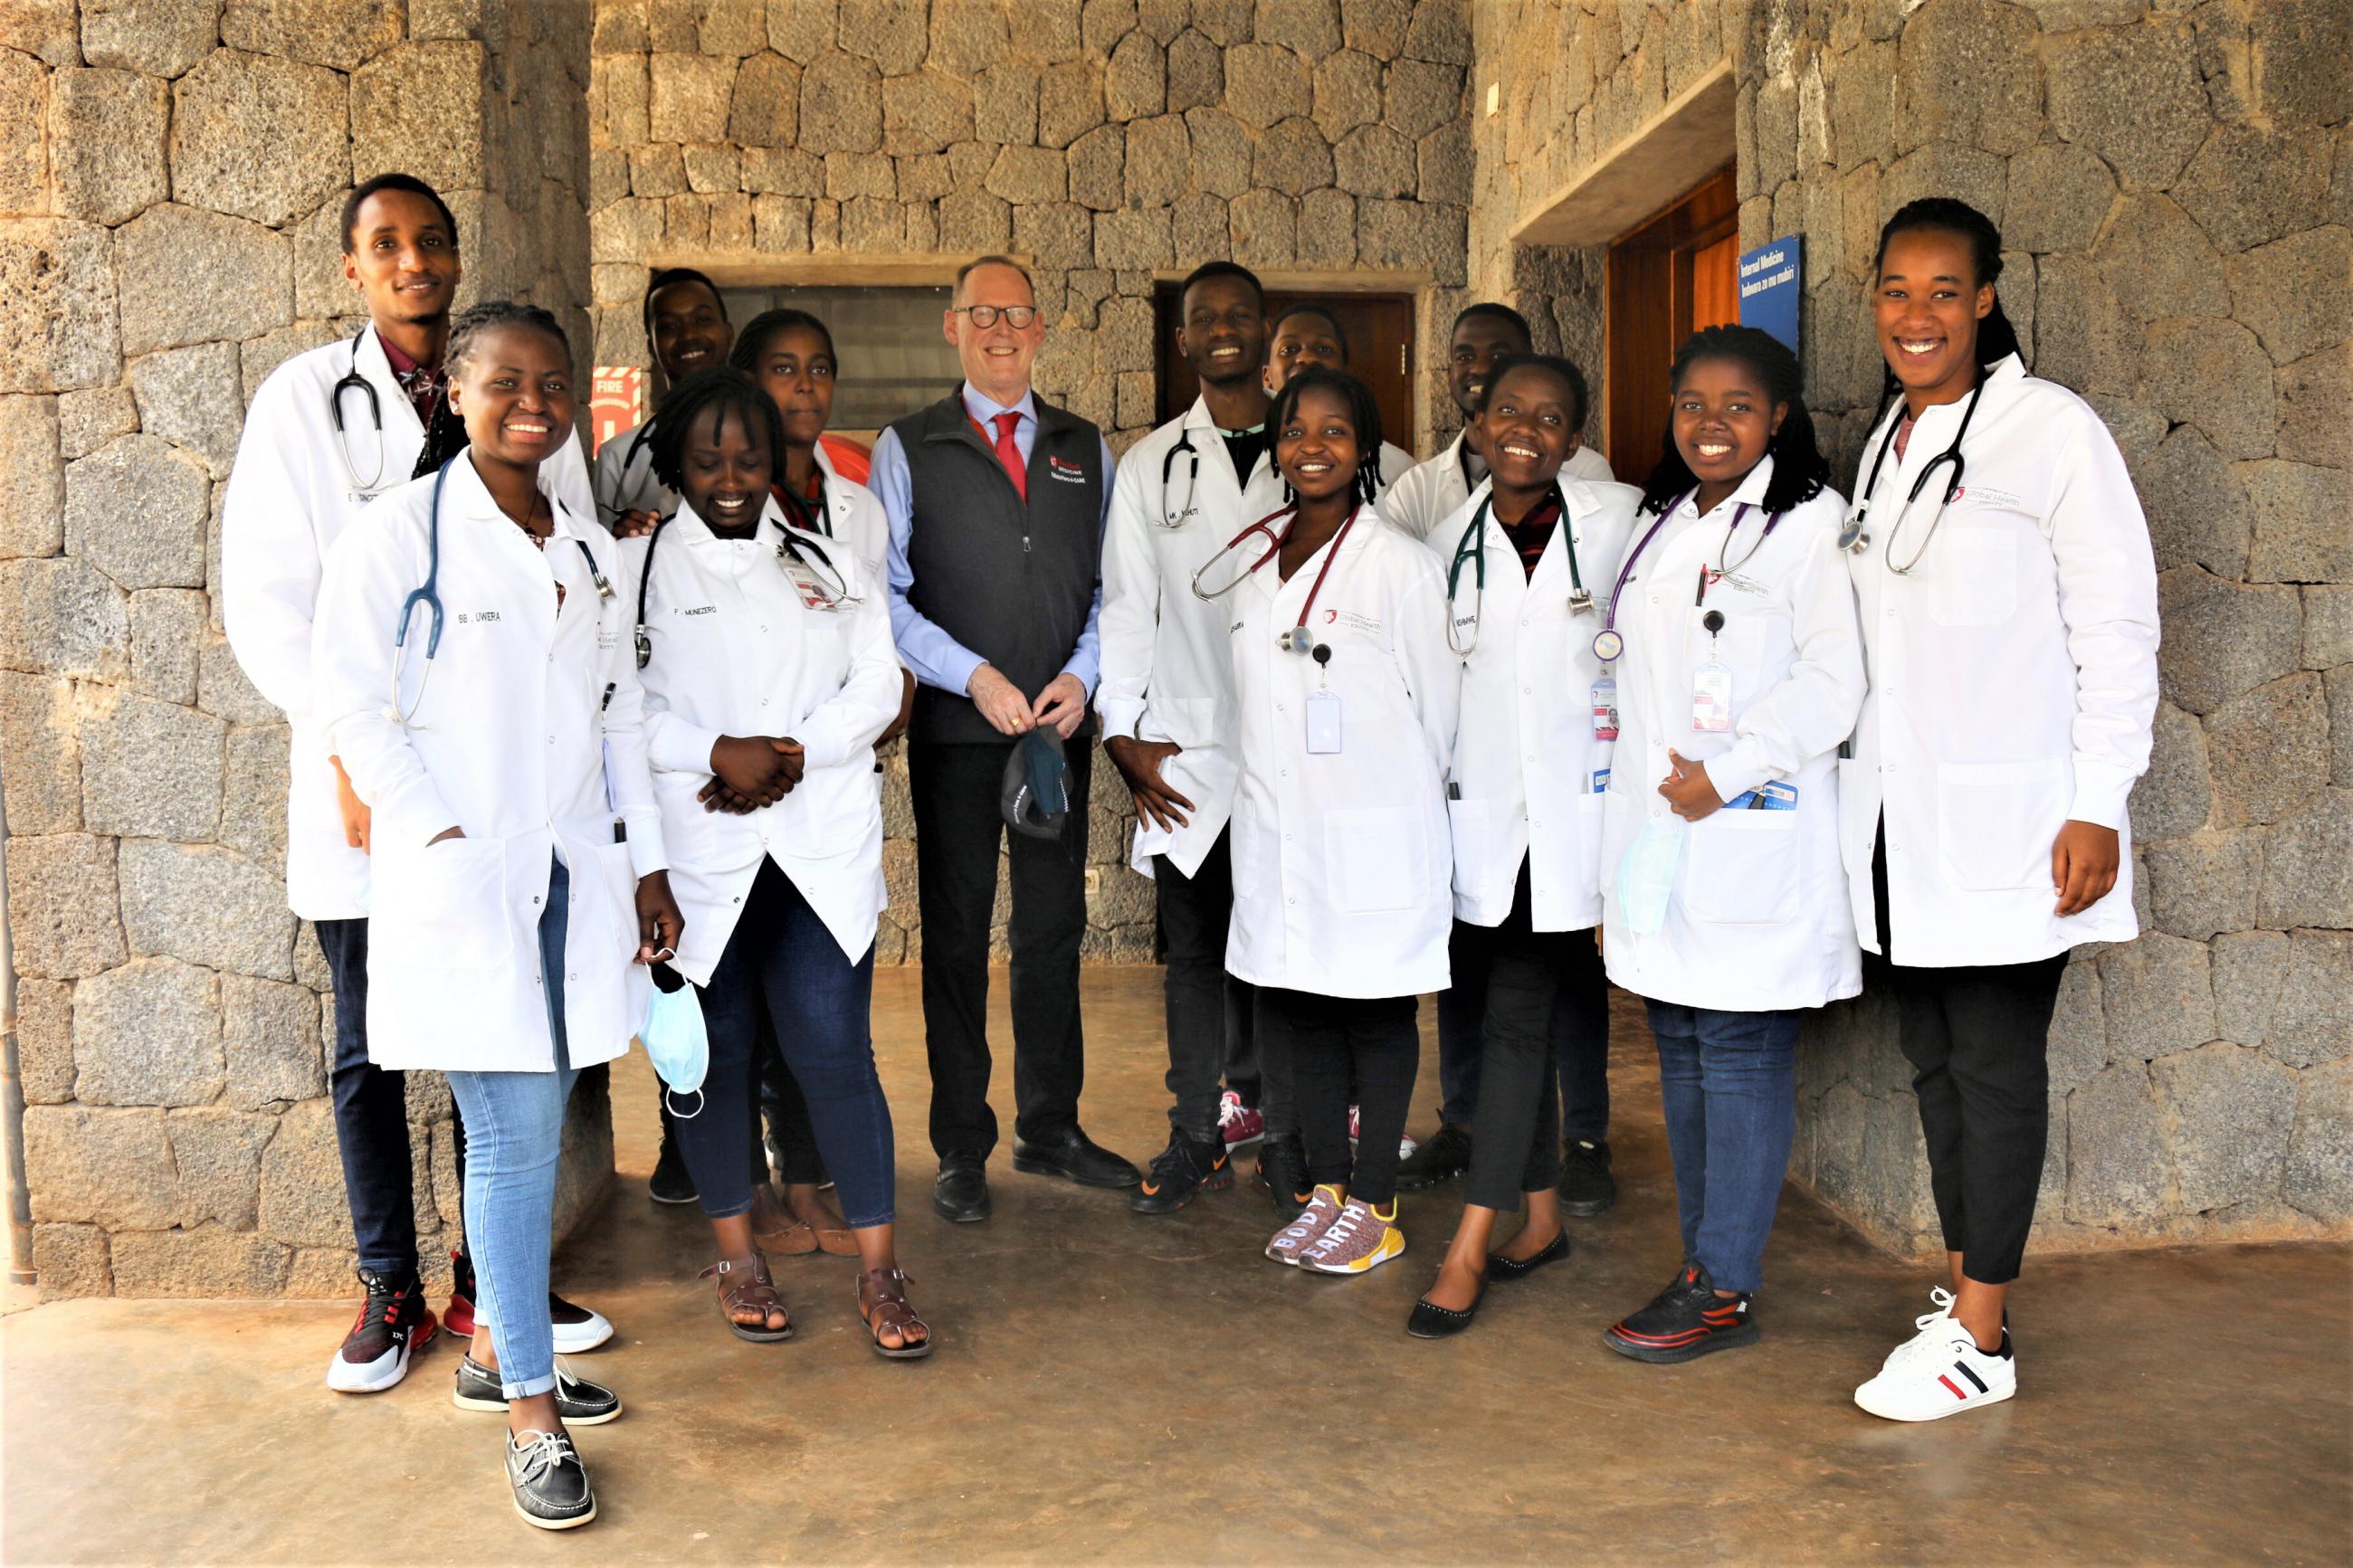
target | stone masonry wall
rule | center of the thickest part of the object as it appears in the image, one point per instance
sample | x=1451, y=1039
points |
x=1106, y=141
x=2176, y=181
x=171, y=179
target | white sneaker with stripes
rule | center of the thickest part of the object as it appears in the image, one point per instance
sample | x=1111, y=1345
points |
x=1941, y=1372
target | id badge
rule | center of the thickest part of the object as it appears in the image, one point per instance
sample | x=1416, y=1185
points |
x=1604, y=709
x=1323, y=724
x=1710, y=698
x=809, y=587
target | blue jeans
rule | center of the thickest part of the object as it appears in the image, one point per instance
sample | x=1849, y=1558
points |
x=1729, y=1084
x=782, y=964
x=516, y=1132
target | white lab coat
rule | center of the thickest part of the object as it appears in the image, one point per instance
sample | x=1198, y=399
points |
x=1529, y=772
x=1168, y=674
x=1429, y=493
x=290, y=498
x=2013, y=677
x=1759, y=919
x=736, y=651
x=530, y=716
x=856, y=516
x=625, y=477
x=1341, y=862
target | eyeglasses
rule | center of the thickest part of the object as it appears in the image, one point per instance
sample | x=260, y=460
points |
x=1017, y=317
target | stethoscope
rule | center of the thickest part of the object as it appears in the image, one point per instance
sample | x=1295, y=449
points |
x=1473, y=551
x=809, y=514
x=429, y=596
x=1298, y=639
x=1853, y=537
x=352, y=378
x=1175, y=518
x=833, y=587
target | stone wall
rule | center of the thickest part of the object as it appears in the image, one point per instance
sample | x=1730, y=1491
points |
x=2176, y=180
x=1108, y=143
x=171, y=178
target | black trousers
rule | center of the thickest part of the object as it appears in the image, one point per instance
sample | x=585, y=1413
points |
x=1978, y=1040
x=1210, y=1033
x=1340, y=1049
x=1581, y=1057
x=957, y=830
x=1543, y=988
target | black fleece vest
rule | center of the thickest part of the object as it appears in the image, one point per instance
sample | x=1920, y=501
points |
x=1010, y=580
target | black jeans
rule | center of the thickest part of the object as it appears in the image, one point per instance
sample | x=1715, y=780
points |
x=372, y=1116
x=1209, y=1024
x=1342, y=1048
x=1542, y=987
x=957, y=830
x=1978, y=1037
x=1582, y=1056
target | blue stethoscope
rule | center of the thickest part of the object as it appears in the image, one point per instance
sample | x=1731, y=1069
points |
x=352, y=379
x=429, y=596
x=1853, y=537
x=1472, y=551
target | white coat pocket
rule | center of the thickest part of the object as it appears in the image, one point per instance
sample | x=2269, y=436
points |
x=1467, y=821
x=1190, y=721
x=1377, y=860
x=1976, y=580
x=1996, y=822
x=605, y=904
x=1740, y=868
x=443, y=906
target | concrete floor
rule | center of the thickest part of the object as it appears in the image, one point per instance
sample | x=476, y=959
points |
x=1109, y=1388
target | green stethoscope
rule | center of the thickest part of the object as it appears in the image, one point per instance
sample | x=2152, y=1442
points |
x=1472, y=551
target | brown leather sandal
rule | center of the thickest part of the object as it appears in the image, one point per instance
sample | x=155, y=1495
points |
x=744, y=1287
x=889, y=1311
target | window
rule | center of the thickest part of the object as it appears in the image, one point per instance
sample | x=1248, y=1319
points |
x=893, y=357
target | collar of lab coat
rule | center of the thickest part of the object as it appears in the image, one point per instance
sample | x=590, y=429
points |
x=1751, y=490
x=691, y=530
x=840, y=493
x=2001, y=382
x=1499, y=543
x=377, y=370
x=469, y=497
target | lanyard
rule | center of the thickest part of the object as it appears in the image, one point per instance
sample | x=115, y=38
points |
x=1610, y=642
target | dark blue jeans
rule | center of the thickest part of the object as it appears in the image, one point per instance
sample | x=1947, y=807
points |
x=1729, y=1084
x=783, y=962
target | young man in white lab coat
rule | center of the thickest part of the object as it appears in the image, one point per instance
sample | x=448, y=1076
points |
x=2008, y=599
x=330, y=431
x=687, y=331
x=1168, y=706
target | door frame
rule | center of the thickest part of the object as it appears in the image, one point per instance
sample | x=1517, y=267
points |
x=1647, y=287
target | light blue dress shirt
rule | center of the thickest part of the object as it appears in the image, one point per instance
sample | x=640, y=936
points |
x=938, y=659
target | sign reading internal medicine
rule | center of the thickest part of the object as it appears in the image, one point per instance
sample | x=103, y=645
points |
x=1772, y=277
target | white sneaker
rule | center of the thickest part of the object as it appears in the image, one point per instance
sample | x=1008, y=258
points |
x=1930, y=1379
x=1930, y=1325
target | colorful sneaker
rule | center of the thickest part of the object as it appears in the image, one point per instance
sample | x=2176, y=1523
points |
x=1240, y=1123
x=1406, y=1145
x=1586, y=1186
x=578, y=1327
x=1685, y=1320
x=1359, y=1241
x=1940, y=1372
x=578, y=1401
x=393, y=1325
x=1322, y=1209
x=1184, y=1169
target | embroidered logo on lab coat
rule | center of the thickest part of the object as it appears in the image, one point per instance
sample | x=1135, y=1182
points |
x=1985, y=495
x=1353, y=621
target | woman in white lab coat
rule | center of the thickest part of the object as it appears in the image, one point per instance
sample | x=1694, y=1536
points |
x=1346, y=694
x=516, y=846
x=2009, y=600
x=1527, y=560
x=766, y=653
x=1731, y=629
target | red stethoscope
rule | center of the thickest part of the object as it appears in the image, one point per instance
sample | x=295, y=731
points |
x=1298, y=639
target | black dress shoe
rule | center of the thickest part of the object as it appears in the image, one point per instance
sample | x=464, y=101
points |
x=961, y=1194
x=1501, y=1267
x=1446, y=1156
x=1429, y=1321
x=1073, y=1154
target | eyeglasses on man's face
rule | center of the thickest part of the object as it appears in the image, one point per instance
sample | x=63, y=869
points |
x=1017, y=317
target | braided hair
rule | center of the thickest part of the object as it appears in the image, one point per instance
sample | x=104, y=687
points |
x=1800, y=472
x=1997, y=339
x=1363, y=413
x=725, y=389
x=1560, y=368
x=445, y=434
x=753, y=340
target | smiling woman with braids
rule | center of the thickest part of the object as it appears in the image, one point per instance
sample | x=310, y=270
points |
x=2009, y=601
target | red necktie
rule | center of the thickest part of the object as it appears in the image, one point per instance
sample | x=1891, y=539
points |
x=1008, y=454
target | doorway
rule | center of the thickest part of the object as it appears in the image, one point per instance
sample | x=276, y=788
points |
x=1379, y=329
x=1663, y=282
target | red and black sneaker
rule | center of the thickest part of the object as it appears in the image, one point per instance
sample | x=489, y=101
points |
x=1685, y=1320
x=577, y=1329
x=393, y=1325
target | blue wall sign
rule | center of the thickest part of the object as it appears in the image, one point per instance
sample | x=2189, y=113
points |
x=1772, y=277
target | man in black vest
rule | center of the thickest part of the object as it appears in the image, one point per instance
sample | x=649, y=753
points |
x=996, y=501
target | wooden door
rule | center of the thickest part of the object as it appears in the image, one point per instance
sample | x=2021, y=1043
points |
x=1379, y=329
x=1663, y=282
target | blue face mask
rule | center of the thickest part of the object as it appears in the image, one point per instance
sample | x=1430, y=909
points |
x=1646, y=878
x=678, y=1045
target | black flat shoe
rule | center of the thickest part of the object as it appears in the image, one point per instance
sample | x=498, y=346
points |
x=961, y=1194
x=1429, y=1321
x=1075, y=1156
x=1501, y=1267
